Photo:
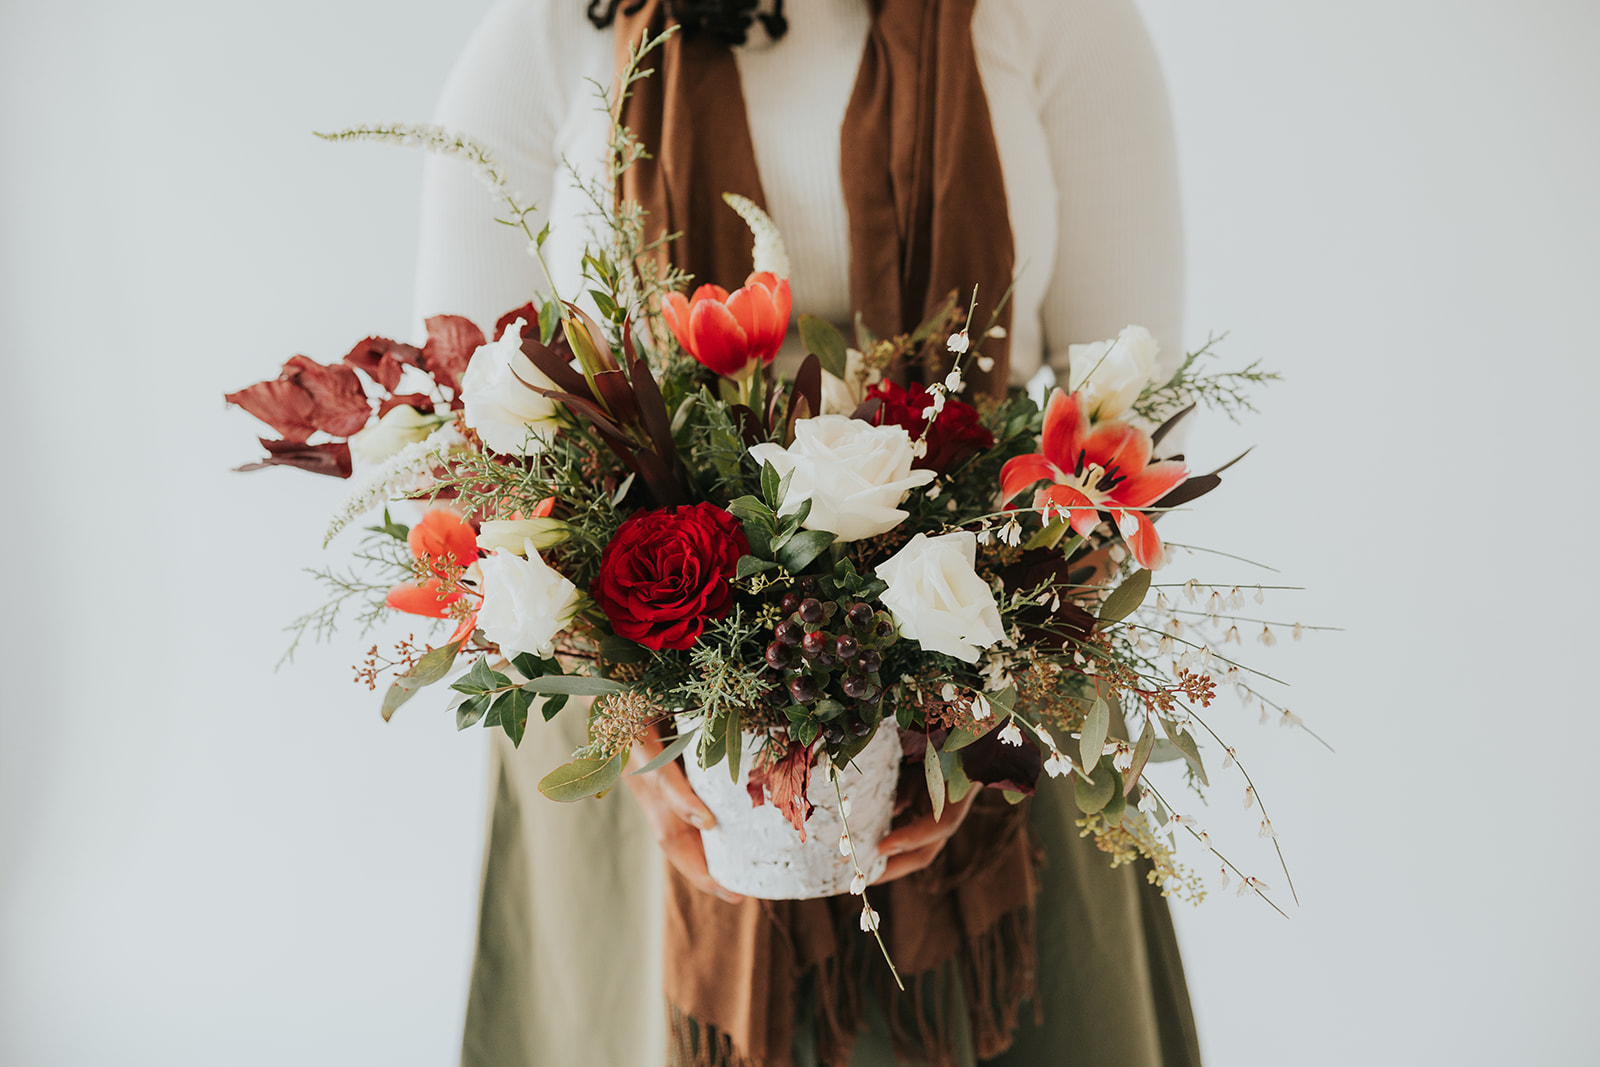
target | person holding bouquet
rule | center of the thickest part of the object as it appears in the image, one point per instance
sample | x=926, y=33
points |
x=904, y=148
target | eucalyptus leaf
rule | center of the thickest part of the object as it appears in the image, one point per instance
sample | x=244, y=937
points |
x=1112, y=812
x=1141, y=755
x=1093, y=795
x=581, y=778
x=960, y=737
x=933, y=772
x=578, y=685
x=1093, y=738
x=1125, y=598
x=678, y=747
x=734, y=744
x=771, y=486
x=955, y=776
x=434, y=664
x=1185, y=744
x=713, y=742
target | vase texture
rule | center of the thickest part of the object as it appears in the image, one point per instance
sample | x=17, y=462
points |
x=755, y=851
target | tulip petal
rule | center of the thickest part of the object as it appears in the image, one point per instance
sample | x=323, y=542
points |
x=1082, y=514
x=1022, y=471
x=675, y=309
x=1151, y=484
x=1146, y=544
x=1117, y=445
x=1064, y=425
x=752, y=307
x=719, y=342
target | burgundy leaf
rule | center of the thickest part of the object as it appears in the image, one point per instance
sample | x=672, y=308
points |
x=530, y=322
x=785, y=782
x=423, y=404
x=807, y=390
x=383, y=360
x=282, y=404
x=451, y=342
x=553, y=363
x=331, y=457
x=342, y=407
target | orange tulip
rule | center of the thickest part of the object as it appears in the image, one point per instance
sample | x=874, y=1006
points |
x=732, y=333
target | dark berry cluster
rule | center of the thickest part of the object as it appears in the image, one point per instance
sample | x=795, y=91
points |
x=825, y=655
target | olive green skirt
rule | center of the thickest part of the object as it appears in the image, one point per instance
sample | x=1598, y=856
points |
x=568, y=962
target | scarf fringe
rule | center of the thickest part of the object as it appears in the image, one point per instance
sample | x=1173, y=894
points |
x=998, y=971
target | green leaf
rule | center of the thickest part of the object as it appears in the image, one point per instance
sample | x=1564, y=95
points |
x=1049, y=536
x=538, y=242
x=933, y=772
x=1141, y=755
x=603, y=301
x=807, y=731
x=804, y=547
x=1092, y=796
x=549, y=311
x=1013, y=797
x=823, y=340
x=528, y=665
x=734, y=746
x=749, y=566
x=581, y=778
x=1093, y=738
x=480, y=679
x=1112, y=812
x=750, y=508
x=513, y=708
x=1185, y=744
x=578, y=685
x=713, y=742
x=397, y=530
x=434, y=664
x=957, y=784
x=550, y=705
x=960, y=737
x=1125, y=598
x=771, y=486
x=470, y=711
x=678, y=747
x=618, y=649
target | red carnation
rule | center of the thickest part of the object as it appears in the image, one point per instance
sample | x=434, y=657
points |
x=956, y=435
x=666, y=572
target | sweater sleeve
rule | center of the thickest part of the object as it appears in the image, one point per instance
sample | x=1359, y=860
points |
x=508, y=92
x=1108, y=124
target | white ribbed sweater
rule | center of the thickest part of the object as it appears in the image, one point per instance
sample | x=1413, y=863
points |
x=1080, y=117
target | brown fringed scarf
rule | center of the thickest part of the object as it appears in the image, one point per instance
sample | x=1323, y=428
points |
x=926, y=200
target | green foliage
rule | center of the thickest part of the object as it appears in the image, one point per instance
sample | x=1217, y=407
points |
x=1226, y=391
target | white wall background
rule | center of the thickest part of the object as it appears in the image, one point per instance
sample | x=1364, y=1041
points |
x=205, y=862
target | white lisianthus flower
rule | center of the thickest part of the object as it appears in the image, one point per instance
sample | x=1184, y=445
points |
x=400, y=426
x=511, y=534
x=855, y=474
x=1112, y=374
x=500, y=407
x=937, y=598
x=525, y=602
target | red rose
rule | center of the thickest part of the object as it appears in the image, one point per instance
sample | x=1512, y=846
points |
x=956, y=435
x=666, y=572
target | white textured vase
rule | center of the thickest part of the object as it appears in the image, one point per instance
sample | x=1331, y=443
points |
x=757, y=852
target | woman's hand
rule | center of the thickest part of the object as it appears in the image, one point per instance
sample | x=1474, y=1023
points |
x=913, y=846
x=675, y=814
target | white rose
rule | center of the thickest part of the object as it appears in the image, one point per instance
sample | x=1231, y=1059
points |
x=525, y=602
x=496, y=404
x=937, y=598
x=402, y=425
x=841, y=396
x=855, y=474
x=1112, y=374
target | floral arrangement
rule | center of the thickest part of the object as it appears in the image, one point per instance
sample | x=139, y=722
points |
x=626, y=502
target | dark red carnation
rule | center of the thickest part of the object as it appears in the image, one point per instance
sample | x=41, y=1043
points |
x=666, y=572
x=956, y=434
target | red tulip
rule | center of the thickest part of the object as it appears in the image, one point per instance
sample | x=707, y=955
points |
x=732, y=333
x=1095, y=467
